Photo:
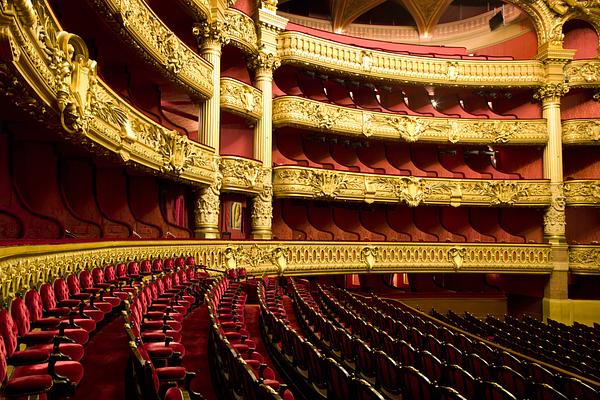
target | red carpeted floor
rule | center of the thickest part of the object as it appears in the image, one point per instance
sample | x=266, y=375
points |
x=104, y=363
x=195, y=339
x=252, y=314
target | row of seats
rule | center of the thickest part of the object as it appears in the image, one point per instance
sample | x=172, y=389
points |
x=241, y=371
x=153, y=321
x=405, y=100
x=455, y=357
x=567, y=348
x=313, y=373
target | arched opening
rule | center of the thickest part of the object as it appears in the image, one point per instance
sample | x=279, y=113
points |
x=581, y=36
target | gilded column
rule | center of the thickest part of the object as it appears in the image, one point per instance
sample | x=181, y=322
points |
x=264, y=63
x=211, y=36
x=555, y=302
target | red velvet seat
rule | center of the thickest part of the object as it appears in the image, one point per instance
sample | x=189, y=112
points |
x=145, y=268
x=99, y=281
x=96, y=298
x=18, y=387
x=65, y=306
x=34, y=304
x=157, y=265
x=87, y=285
x=33, y=364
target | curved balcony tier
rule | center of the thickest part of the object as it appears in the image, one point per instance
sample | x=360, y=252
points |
x=52, y=71
x=583, y=73
x=584, y=259
x=302, y=49
x=581, y=132
x=318, y=116
x=240, y=98
x=583, y=193
x=313, y=183
x=158, y=45
x=242, y=174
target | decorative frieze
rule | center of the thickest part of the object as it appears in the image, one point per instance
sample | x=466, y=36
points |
x=156, y=43
x=318, y=116
x=583, y=193
x=294, y=181
x=584, y=259
x=302, y=49
x=242, y=174
x=581, y=131
x=23, y=267
x=241, y=98
x=583, y=73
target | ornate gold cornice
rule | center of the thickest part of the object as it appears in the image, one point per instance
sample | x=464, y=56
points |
x=241, y=31
x=240, y=98
x=583, y=73
x=200, y=9
x=242, y=174
x=293, y=181
x=301, y=49
x=60, y=78
x=583, y=193
x=584, y=259
x=137, y=24
x=318, y=116
x=23, y=267
x=581, y=131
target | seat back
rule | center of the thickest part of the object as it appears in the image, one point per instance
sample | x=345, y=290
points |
x=3, y=364
x=512, y=381
x=85, y=279
x=493, y=391
x=416, y=385
x=121, y=270
x=47, y=295
x=20, y=315
x=180, y=262
x=388, y=373
x=542, y=391
x=110, y=273
x=98, y=275
x=157, y=265
x=576, y=389
x=169, y=264
x=133, y=269
x=147, y=384
x=33, y=301
x=190, y=261
x=339, y=381
x=9, y=332
x=61, y=290
x=460, y=380
x=73, y=284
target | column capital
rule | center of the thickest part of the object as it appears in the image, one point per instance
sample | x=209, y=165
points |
x=264, y=62
x=551, y=91
x=211, y=34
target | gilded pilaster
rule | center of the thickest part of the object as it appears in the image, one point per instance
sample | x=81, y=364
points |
x=263, y=64
x=211, y=36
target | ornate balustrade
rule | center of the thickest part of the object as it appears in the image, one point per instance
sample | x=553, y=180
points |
x=158, y=45
x=583, y=193
x=318, y=116
x=581, y=131
x=241, y=31
x=200, y=9
x=50, y=77
x=294, y=181
x=240, y=98
x=242, y=174
x=22, y=267
x=302, y=49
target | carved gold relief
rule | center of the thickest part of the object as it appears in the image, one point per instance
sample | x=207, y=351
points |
x=241, y=98
x=27, y=266
x=551, y=91
x=262, y=210
x=581, y=131
x=582, y=193
x=554, y=219
x=301, y=49
x=293, y=181
x=242, y=174
x=584, y=259
x=159, y=45
x=314, y=115
x=583, y=73
x=241, y=30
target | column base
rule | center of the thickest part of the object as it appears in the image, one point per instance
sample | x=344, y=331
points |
x=207, y=232
x=262, y=234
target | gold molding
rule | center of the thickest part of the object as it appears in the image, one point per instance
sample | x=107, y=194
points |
x=583, y=193
x=318, y=116
x=241, y=30
x=156, y=43
x=199, y=8
x=294, y=181
x=242, y=174
x=584, y=259
x=53, y=74
x=581, y=131
x=302, y=49
x=241, y=99
x=583, y=73
x=23, y=267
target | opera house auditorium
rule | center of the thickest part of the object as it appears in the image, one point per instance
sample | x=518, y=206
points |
x=300, y=199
